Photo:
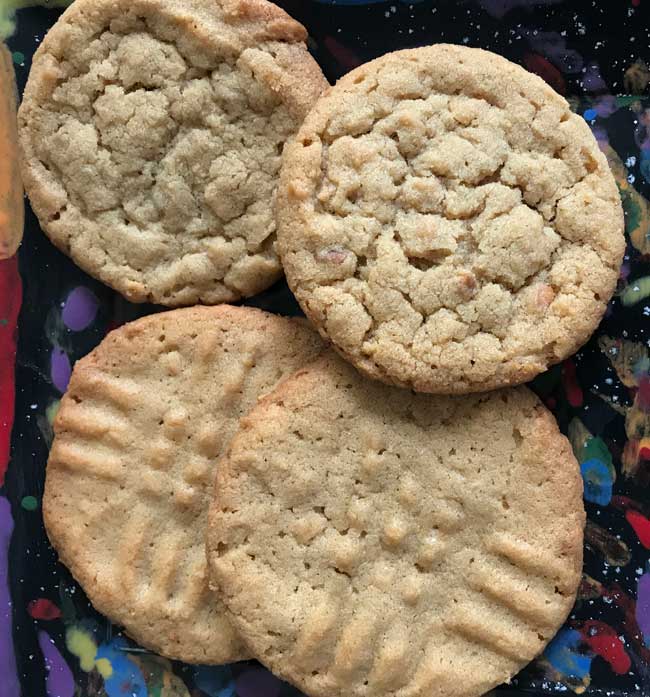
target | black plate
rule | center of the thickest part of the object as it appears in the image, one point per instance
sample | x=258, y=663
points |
x=52, y=642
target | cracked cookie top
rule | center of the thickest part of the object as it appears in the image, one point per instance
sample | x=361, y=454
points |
x=447, y=222
x=152, y=133
x=372, y=542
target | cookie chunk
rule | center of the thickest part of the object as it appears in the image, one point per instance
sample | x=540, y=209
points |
x=420, y=546
x=152, y=133
x=130, y=474
x=447, y=221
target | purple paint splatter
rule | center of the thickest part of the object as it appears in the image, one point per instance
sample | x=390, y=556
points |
x=499, y=8
x=257, y=681
x=60, y=368
x=59, y=681
x=79, y=309
x=9, y=685
x=643, y=607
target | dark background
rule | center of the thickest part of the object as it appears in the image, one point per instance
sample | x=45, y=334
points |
x=584, y=49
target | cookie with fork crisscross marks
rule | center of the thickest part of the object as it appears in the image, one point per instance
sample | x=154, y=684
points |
x=408, y=537
x=130, y=473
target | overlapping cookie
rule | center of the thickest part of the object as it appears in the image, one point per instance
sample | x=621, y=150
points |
x=130, y=473
x=447, y=221
x=408, y=537
x=152, y=132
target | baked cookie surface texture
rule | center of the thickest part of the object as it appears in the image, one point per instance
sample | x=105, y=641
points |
x=368, y=541
x=130, y=474
x=152, y=134
x=447, y=221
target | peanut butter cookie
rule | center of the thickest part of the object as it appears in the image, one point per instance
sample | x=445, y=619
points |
x=447, y=221
x=131, y=470
x=152, y=134
x=369, y=541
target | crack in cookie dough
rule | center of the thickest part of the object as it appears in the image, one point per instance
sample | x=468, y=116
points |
x=152, y=134
x=409, y=536
x=447, y=222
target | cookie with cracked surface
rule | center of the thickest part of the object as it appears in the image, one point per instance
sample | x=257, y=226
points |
x=152, y=133
x=408, y=536
x=131, y=470
x=447, y=221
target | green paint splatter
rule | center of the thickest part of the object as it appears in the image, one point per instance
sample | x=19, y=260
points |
x=636, y=291
x=8, y=12
x=626, y=99
x=4, y=322
x=52, y=409
x=19, y=57
x=29, y=503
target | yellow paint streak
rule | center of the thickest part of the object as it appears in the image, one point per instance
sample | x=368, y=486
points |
x=104, y=667
x=81, y=644
x=12, y=209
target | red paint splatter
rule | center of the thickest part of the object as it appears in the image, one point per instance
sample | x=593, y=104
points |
x=546, y=70
x=636, y=3
x=10, y=299
x=641, y=526
x=342, y=54
x=623, y=503
x=642, y=400
x=570, y=382
x=603, y=641
x=630, y=625
x=43, y=609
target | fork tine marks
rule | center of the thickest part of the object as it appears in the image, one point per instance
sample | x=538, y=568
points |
x=526, y=557
x=84, y=460
x=531, y=605
x=478, y=623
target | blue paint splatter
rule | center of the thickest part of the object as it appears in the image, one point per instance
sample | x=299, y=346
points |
x=215, y=681
x=598, y=481
x=590, y=114
x=126, y=678
x=563, y=654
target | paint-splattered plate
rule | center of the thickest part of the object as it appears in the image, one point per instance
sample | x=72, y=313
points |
x=53, y=643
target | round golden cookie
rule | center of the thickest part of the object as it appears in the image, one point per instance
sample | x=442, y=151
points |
x=447, y=221
x=152, y=134
x=368, y=541
x=131, y=470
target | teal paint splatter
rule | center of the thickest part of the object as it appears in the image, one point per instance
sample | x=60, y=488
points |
x=29, y=503
x=19, y=57
x=598, y=481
